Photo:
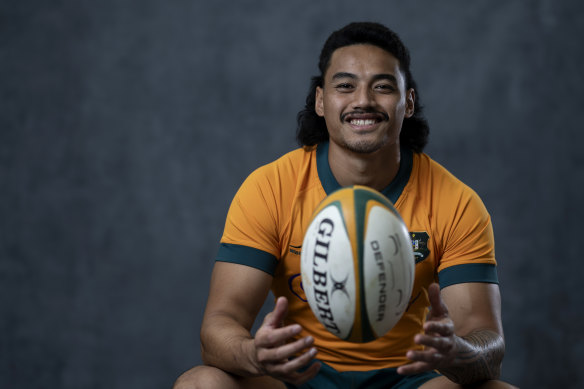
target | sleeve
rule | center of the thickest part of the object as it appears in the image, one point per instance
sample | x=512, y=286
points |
x=468, y=246
x=250, y=236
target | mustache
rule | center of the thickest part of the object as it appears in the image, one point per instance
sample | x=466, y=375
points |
x=365, y=111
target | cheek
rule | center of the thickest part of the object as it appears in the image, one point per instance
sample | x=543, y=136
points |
x=334, y=107
x=401, y=105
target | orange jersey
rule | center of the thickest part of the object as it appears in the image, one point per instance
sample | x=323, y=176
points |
x=450, y=228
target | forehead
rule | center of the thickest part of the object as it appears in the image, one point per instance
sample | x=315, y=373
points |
x=362, y=59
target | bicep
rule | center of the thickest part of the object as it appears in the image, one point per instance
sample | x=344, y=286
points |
x=474, y=306
x=237, y=292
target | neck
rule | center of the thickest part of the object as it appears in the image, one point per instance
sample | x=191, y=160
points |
x=375, y=170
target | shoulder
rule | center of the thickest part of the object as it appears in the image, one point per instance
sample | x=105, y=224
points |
x=453, y=206
x=286, y=166
x=274, y=181
x=439, y=183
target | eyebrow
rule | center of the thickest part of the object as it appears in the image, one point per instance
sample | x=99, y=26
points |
x=377, y=77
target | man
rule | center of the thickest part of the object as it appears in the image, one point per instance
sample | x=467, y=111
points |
x=362, y=125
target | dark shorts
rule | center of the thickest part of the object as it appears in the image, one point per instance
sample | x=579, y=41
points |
x=329, y=378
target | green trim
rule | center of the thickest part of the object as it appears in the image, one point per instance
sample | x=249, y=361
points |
x=397, y=185
x=392, y=191
x=470, y=272
x=361, y=199
x=325, y=174
x=249, y=256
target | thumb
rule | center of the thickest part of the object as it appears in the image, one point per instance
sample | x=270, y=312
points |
x=437, y=306
x=275, y=318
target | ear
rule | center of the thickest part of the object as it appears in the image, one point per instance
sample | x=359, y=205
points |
x=410, y=100
x=319, y=103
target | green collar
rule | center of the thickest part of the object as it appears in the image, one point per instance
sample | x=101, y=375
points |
x=392, y=191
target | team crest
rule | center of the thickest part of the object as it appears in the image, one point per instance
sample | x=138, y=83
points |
x=420, y=245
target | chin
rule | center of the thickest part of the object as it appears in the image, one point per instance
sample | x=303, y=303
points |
x=365, y=146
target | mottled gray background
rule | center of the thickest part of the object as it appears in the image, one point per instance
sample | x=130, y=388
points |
x=127, y=126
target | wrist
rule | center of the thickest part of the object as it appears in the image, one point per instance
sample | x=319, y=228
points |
x=478, y=357
x=250, y=351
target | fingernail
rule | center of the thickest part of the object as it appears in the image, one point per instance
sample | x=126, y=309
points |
x=308, y=340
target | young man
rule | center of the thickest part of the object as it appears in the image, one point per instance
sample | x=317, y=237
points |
x=362, y=125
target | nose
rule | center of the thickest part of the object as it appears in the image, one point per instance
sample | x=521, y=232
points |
x=363, y=98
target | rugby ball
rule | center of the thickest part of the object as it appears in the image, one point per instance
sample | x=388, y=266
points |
x=357, y=264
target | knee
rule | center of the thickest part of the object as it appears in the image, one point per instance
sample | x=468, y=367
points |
x=201, y=377
x=495, y=384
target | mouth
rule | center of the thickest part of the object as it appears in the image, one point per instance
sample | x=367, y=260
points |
x=364, y=120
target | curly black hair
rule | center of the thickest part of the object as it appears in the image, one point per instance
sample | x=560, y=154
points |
x=312, y=129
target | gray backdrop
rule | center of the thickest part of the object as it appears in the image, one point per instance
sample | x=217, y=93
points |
x=127, y=126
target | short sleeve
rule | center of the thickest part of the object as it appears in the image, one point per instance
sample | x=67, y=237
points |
x=250, y=236
x=468, y=245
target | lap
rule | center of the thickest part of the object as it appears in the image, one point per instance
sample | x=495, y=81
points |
x=444, y=383
x=211, y=377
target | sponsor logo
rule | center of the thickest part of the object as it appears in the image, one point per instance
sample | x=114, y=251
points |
x=295, y=249
x=340, y=286
x=296, y=287
x=319, y=275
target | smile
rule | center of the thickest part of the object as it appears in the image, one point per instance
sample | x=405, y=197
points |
x=364, y=119
x=363, y=122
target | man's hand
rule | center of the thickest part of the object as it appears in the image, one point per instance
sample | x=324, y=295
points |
x=440, y=343
x=274, y=352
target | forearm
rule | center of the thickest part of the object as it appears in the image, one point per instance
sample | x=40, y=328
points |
x=478, y=358
x=227, y=345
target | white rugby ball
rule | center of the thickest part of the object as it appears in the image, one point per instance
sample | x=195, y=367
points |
x=357, y=264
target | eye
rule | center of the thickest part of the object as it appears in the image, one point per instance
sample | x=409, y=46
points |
x=344, y=87
x=385, y=88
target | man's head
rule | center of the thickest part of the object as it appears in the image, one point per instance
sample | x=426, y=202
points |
x=312, y=127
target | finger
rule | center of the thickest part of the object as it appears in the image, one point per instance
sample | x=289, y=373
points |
x=276, y=317
x=442, y=328
x=288, y=350
x=301, y=377
x=414, y=368
x=429, y=356
x=437, y=306
x=441, y=344
x=295, y=364
x=270, y=337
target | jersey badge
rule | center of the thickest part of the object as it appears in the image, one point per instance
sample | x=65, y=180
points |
x=420, y=245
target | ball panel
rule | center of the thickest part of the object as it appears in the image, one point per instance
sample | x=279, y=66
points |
x=387, y=258
x=327, y=271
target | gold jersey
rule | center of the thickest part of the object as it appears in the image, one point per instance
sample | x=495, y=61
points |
x=451, y=233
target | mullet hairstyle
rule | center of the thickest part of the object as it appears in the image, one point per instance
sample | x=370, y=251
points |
x=312, y=128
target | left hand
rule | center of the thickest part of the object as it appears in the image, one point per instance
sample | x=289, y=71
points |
x=438, y=339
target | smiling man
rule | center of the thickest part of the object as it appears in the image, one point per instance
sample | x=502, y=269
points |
x=363, y=125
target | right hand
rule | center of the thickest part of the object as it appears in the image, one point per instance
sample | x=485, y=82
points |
x=274, y=352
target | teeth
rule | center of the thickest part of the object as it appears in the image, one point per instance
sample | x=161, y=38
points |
x=362, y=122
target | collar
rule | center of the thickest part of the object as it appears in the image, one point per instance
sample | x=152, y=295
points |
x=392, y=191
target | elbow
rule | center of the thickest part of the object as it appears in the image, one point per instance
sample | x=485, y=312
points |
x=493, y=359
x=497, y=362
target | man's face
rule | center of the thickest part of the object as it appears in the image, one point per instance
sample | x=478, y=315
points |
x=363, y=99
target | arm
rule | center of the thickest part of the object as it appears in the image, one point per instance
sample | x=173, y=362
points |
x=463, y=336
x=237, y=293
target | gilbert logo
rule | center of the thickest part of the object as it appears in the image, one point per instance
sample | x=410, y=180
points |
x=295, y=249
